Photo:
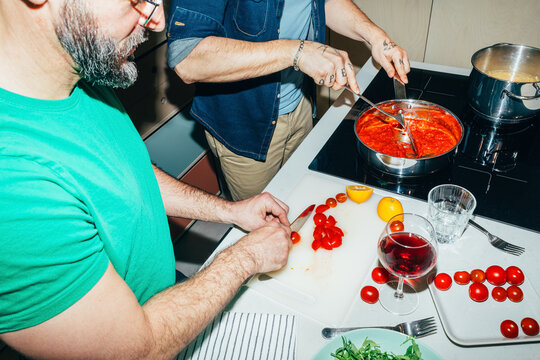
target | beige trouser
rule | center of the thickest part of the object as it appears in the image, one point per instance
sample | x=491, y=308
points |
x=246, y=177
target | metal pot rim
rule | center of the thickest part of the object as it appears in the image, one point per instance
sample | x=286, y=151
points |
x=478, y=52
x=413, y=101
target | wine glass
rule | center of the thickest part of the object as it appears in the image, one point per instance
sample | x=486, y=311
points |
x=407, y=248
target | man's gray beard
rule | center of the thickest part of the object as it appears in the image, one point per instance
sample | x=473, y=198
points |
x=98, y=58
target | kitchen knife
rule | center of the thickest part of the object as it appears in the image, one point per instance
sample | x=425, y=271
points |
x=297, y=224
x=399, y=89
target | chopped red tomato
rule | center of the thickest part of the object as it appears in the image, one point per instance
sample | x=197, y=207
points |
x=321, y=208
x=331, y=202
x=330, y=221
x=319, y=219
x=341, y=197
x=295, y=237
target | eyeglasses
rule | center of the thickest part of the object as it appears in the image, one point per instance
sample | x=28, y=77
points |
x=140, y=5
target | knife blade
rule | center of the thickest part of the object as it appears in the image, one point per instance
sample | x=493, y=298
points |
x=399, y=89
x=301, y=219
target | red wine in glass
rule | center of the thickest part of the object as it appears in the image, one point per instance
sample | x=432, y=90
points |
x=407, y=255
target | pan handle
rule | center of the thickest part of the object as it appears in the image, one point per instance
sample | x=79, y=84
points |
x=521, y=97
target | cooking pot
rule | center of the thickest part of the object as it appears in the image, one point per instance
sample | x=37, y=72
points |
x=504, y=85
x=400, y=166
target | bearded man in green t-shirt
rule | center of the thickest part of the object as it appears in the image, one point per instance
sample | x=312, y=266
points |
x=87, y=266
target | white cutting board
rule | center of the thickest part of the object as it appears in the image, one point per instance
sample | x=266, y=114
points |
x=323, y=284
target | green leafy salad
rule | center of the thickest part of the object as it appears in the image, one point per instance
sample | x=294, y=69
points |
x=370, y=350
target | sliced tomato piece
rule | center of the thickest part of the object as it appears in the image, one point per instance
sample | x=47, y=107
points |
x=331, y=202
x=339, y=231
x=316, y=244
x=318, y=233
x=321, y=208
x=319, y=219
x=295, y=237
x=330, y=221
x=341, y=197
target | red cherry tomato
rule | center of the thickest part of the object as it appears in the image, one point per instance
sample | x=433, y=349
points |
x=380, y=275
x=496, y=275
x=509, y=329
x=321, y=208
x=295, y=237
x=462, y=277
x=369, y=294
x=339, y=231
x=443, y=281
x=396, y=226
x=330, y=221
x=331, y=202
x=478, y=276
x=318, y=233
x=478, y=292
x=341, y=197
x=530, y=326
x=319, y=219
x=316, y=244
x=514, y=293
x=498, y=293
x=514, y=275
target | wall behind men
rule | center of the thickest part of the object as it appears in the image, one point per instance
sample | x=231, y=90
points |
x=445, y=32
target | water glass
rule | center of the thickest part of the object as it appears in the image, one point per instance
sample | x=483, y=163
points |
x=449, y=209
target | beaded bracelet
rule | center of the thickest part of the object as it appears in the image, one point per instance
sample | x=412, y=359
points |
x=295, y=61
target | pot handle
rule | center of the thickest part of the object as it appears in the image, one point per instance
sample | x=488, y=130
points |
x=521, y=97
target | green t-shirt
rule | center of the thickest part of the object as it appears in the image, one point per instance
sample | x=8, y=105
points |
x=77, y=191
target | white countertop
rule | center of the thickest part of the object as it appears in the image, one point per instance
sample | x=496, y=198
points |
x=309, y=339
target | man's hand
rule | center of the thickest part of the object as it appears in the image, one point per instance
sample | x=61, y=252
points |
x=391, y=57
x=259, y=210
x=265, y=249
x=327, y=66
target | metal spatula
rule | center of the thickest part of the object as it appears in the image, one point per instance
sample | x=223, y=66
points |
x=399, y=118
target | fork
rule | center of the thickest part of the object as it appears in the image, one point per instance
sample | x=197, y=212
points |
x=498, y=242
x=417, y=328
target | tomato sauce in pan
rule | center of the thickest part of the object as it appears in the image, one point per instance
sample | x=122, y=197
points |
x=435, y=131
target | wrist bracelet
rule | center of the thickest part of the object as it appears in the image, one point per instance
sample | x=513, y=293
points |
x=295, y=61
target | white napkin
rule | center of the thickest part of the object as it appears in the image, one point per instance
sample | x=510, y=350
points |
x=245, y=336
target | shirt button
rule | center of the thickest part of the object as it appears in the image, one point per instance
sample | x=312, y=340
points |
x=278, y=96
x=273, y=123
x=278, y=31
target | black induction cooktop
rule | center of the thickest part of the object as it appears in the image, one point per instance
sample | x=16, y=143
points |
x=498, y=163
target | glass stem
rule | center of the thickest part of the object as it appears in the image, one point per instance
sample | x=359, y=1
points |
x=399, y=290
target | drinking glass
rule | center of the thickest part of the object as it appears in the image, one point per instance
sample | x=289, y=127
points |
x=407, y=249
x=449, y=209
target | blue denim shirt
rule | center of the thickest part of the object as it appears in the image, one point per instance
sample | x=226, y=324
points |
x=241, y=115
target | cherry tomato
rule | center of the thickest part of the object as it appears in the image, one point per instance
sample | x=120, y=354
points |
x=478, y=292
x=530, y=326
x=509, y=329
x=331, y=202
x=295, y=237
x=514, y=293
x=341, y=197
x=396, y=226
x=498, y=293
x=443, y=281
x=326, y=243
x=462, y=277
x=321, y=208
x=369, y=294
x=330, y=221
x=478, y=276
x=319, y=219
x=316, y=244
x=318, y=233
x=514, y=275
x=496, y=275
x=339, y=231
x=380, y=275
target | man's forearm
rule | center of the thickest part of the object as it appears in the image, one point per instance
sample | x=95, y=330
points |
x=217, y=59
x=177, y=315
x=345, y=18
x=183, y=200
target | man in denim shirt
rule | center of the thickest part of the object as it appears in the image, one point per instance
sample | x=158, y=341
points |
x=253, y=60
